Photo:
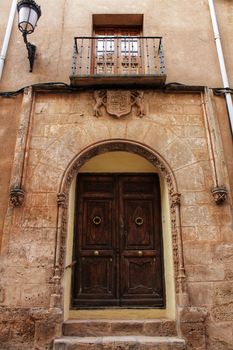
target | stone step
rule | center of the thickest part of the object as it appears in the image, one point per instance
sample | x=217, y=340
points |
x=95, y=328
x=119, y=343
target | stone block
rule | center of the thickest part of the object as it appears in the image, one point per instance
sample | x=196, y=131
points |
x=159, y=137
x=198, y=215
x=208, y=233
x=5, y=332
x=223, y=293
x=189, y=233
x=192, y=314
x=226, y=233
x=39, y=217
x=173, y=109
x=192, y=109
x=45, y=332
x=175, y=155
x=222, y=312
x=132, y=130
x=194, y=335
x=204, y=273
x=196, y=184
x=223, y=215
x=43, y=178
x=224, y=252
x=35, y=295
x=201, y=293
x=58, y=155
x=195, y=131
x=199, y=253
x=117, y=129
x=219, y=334
x=39, y=143
x=163, y=328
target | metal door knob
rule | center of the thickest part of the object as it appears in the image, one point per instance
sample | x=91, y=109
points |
x=96, y=253
x=140, y=253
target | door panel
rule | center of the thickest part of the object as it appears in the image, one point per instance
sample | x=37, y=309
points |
x=97, y=224
x=117, y=241
x=138, y=216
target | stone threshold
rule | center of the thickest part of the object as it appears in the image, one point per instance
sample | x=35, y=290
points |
x=119, y=342
x=146, y=327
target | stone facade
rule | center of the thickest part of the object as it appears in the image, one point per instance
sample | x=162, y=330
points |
x=49, y=132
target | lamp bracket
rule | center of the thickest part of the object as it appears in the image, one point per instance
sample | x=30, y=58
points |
x=31, y=51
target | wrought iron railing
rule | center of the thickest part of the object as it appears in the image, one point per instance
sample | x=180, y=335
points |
x=118, y=55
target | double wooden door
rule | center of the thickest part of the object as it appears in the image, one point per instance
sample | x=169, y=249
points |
x=117, y=242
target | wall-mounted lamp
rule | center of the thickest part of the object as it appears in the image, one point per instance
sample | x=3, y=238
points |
x=28, y=14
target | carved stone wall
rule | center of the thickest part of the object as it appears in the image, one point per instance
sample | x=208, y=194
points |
x=173, y=135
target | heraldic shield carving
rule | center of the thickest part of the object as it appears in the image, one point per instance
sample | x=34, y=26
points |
x=118, y=102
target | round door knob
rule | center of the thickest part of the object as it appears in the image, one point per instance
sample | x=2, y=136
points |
x=140, y=253
x=96, y=253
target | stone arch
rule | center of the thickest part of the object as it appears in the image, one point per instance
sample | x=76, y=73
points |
x=174, y=199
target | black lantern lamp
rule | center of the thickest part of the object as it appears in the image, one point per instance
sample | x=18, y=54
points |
x=28, y=14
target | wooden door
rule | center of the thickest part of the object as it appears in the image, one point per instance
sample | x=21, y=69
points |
x=117, y=242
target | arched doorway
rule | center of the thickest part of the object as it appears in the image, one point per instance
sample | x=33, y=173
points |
x=121, y=162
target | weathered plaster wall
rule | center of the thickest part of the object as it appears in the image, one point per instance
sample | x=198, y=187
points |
x=175, y=127
x=9, y=113
x=190, y=53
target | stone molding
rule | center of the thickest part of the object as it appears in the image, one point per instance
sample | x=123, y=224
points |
x=16, y=192
x=174, y=197
x=215, y=147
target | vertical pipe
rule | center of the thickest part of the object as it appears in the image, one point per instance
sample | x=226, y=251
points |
x=7, y=36
x=221, y=61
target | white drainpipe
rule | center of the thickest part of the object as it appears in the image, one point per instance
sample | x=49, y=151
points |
x=221, y=61
x=7, y=36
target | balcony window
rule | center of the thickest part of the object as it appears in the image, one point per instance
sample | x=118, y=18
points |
x=118, y=56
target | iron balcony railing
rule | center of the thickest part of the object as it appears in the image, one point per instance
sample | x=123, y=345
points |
x=118, y=56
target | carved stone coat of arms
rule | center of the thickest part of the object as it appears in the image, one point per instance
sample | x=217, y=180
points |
x=118, y=102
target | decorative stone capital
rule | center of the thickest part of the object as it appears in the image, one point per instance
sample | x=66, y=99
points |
x=175, y=199
x=17, y=196
x=61, y=199
x=220, y=194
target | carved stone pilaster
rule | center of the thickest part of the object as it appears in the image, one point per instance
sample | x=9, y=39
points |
x=220, y=194
x=16, y=196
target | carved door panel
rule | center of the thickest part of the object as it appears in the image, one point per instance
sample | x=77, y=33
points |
x=94, y=280
x=141, y=263
x=117, y=241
